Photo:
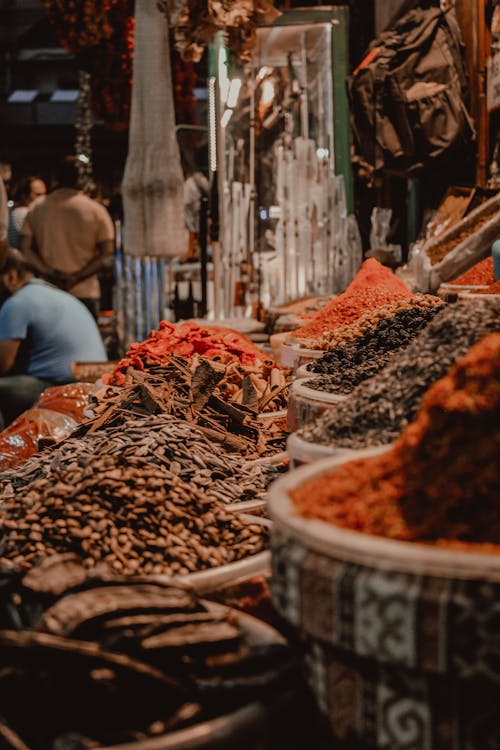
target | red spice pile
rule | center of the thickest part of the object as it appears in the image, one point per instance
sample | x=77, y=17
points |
x=186, y=339
x=491, y=289
x=440, y=481
x=479, y=275
x=373, y=286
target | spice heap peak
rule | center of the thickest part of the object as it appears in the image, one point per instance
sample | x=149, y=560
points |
x=373, y=286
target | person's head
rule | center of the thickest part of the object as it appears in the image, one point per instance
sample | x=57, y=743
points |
x=28, y=189
x=69, y=173
x=14, y=274
x=5, y=172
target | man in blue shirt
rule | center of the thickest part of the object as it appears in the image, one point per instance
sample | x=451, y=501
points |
x=42, y=331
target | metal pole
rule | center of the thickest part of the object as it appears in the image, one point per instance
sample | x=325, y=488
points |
x=203, y=253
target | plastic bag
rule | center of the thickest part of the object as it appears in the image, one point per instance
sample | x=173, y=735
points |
x=70, y=399
x=20, y=439
x=379, y=247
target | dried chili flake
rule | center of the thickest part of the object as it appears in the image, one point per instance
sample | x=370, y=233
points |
x=439, y=481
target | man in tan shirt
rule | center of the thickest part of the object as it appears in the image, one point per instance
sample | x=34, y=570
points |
x=68, y=238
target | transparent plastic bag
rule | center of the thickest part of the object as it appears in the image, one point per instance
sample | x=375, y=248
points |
x=20, y=439
x=71, y=399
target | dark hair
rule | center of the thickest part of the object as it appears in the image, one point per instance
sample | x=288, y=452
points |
x=69, y=175
x=22, y=190
x=15, y=261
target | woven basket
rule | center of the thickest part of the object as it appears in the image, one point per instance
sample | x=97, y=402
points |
x=90, y=372
x=400, y=639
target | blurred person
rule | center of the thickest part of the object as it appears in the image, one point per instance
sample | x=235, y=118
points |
x=27, y=190
x=196, y=186
x=42, y=331
x=68, y=238
x=5, y=176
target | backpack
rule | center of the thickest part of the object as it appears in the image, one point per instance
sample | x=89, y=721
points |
x=407, y=95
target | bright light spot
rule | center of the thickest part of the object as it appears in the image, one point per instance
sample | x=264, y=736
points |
x=322, y=154
x=223, y=77
x=226, y=117
x=267, y=93
x=83, y=158
x=263, y=214
x=234, y=90
x=263, y=72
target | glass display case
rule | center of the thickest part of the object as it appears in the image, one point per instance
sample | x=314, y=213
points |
x=283, y=163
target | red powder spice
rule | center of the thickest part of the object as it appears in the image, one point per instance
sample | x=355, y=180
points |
x=479, y=275
x=440, y=480
x=186, y=339
x=491, y=289
x=373, y=286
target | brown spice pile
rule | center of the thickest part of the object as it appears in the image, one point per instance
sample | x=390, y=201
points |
x=441, y=249
x=440, y=480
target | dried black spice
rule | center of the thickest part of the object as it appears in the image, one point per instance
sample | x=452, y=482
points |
x=379, y=408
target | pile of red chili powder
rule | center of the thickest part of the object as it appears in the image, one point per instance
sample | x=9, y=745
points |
x=440, y=481
x=186, y=339
x=373, y=286
x=481, y=274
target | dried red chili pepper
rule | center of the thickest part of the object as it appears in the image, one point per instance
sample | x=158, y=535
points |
x=185, y=340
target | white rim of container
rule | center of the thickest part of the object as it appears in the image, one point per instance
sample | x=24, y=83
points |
x=304, y=351
x=299, y=449
x=365, y=549
x=457, y=288
x=472, y=296
x=299, y=388
x=205, y=581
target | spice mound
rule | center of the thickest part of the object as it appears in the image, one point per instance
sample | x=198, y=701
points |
x=143, y=498
x=373, y=286
x=99, y=660
x=186, y=339
x=224, y=400
x=491, y=289
x=481, y=274
x=376, y=411
x=348, y=364
x=343, y=334
x=440, y=480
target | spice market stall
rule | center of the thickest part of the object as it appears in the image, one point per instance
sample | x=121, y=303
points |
x=387, y=568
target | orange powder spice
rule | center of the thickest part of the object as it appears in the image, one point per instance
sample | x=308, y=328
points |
x=441, y=479
x=373, y=286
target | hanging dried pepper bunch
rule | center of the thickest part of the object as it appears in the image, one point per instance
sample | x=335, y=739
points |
x=100, y=34
x=194, y=24
x=80, y=23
